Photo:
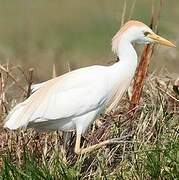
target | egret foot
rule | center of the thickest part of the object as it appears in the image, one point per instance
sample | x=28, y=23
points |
x=79, y=150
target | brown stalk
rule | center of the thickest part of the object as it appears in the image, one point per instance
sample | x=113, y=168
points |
x=140, y=76
x=11, y=76
x=30, y=81
x=142, y=69
x=3, y=109
x=1, y=95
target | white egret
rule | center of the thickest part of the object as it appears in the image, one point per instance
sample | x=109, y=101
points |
x=74, y=100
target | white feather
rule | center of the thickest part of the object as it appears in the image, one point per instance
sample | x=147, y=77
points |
x=35, y=87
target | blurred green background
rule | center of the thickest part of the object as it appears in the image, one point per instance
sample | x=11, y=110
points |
x=39, y=33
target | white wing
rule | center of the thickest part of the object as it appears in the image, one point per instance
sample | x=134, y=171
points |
x=70, y=95
x=35, y=87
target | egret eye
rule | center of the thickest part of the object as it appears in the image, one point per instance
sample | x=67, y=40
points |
x=146, y=33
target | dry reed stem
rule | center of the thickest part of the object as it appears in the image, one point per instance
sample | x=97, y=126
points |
x=3, y=102
x=30, y=81
x=68, y=66
x=1, y=95
x=172, y=97
x=132, y=9
x=141, y=72
x=123, y=13
x=144, y=62
x=140, y=76
x=54, y=73
x=12, y=77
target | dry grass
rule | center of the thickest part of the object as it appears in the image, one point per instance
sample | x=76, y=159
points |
x=151, y=150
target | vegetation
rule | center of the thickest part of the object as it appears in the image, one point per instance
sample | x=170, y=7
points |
x=150, y=147
x=149, y=151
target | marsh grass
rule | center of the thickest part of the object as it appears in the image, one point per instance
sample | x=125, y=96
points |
x=150, y=152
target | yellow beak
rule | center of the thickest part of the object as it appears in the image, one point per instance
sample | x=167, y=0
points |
x=160, y=40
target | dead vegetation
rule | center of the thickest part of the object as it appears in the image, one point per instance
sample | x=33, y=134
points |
x=152, y=133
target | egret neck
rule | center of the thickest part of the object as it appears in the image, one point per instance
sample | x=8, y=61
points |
x=123, y=71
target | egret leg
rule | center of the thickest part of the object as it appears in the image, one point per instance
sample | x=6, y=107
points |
x=79, y=150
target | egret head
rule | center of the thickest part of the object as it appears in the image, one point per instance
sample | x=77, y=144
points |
x=138, y=32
